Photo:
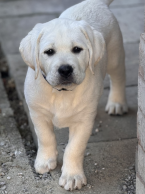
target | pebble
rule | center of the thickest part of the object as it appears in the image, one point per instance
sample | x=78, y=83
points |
x=8, y=177
x=2, y=184
x=95, y=164
x=97, y=130
x=88, y=154
x=2, y=174
x=20, y=174
x=3, y=188
x=18, y=153
x=124, y=187
x=2, y=143
x=12, y=154
x=4, y=169
x=89, y=186
x=45, y=175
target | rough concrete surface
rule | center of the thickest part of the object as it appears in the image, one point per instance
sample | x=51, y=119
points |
x=105, y=167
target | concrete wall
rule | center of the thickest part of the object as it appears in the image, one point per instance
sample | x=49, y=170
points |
x=140, y=187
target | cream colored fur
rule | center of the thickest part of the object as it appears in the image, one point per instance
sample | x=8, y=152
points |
x=91, y=26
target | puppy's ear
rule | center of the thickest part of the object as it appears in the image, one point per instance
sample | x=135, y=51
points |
x=95, y=42
x=29, y=48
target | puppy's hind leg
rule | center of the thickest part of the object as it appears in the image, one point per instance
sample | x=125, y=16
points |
x=116, y=104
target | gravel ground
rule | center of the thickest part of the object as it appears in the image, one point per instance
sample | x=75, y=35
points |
x=129, y=182
x=22, y=125
x=20, y=116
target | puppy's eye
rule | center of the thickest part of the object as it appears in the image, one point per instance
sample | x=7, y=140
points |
x=76, y=49
x=50, y=52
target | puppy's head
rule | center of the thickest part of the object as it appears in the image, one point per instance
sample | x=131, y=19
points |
x=63, y=49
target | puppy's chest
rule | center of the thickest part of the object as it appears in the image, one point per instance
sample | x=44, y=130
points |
x=62, y=116
x=63, y=113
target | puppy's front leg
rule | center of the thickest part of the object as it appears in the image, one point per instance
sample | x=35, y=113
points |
x=46, y=159
x=73, y=176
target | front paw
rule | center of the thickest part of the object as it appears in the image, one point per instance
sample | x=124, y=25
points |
x=114, y=108
x=71, y=181
x=44, y=164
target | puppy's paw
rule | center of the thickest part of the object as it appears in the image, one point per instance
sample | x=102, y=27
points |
x=114, y=108
x=43, y=165
x=72, y=181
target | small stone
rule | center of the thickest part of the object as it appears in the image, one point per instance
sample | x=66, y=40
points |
x=20, y=103
x=2, y=184
x=97, y=130
x=44, y=175
x=131, y=168
x=89, y=186
x=2, y=174
x=3, y=188
x=18, y=153
x=3, y=114
x=4, y=169
x=37, y=178
x=8, y=177
x=88, y=154
x=2, y=143
x=96, y=171
x=11, y=154
x=95, y=164
x=124, y=187
x=20, y=174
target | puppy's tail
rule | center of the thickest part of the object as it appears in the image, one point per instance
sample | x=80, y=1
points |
x=107, y=2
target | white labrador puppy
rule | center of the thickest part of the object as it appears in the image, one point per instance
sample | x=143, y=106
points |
x=68, y=59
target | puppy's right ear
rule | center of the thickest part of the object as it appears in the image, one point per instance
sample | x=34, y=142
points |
x=29, y=48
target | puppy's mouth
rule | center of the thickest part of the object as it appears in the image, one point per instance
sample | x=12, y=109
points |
x=62, y=83
x=63, y=89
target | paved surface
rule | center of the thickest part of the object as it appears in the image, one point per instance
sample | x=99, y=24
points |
x=113, y=147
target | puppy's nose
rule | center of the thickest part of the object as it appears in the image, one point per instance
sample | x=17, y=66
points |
x=65, y=70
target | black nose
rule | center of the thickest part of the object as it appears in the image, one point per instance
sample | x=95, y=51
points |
x=65, y=70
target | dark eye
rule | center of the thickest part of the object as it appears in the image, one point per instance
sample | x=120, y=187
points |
x=76, y=49
x=50, y=52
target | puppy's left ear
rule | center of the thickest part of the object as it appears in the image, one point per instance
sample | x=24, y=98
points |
x=95, y=42
x=29, y=48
